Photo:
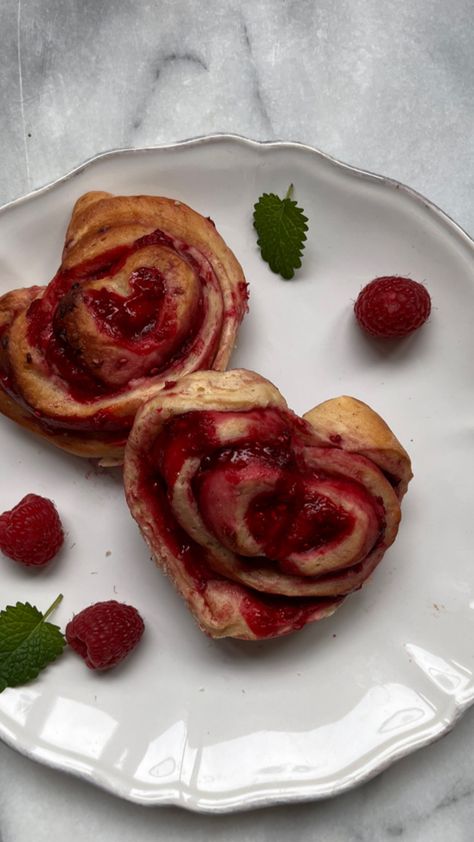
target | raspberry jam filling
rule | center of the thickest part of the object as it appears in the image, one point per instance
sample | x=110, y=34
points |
x=265, y=615
x=135, y=316
x=287, y=521
x=239, y=454
x=197, y=434
x=133, y=321
x=257, y=483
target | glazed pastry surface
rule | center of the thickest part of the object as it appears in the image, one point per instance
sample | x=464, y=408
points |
x=147, y=291
x=263, y=520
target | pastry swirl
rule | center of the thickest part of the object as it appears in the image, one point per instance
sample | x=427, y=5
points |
x=147, y=291
x=263, y=520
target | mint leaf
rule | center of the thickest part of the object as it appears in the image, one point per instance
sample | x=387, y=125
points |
x=27, y=643
x=281, y=228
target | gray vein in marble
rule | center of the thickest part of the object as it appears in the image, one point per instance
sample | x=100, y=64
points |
x=192, y=58
x=257, y=91
x=413, y=823
x=22, y=98
x=453, y=797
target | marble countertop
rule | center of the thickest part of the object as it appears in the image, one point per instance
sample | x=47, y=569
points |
x=381, y=84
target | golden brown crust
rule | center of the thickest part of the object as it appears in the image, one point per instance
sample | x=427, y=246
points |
x=101, y=222
x=361, y=430
x=92, y=448
x=237, y=390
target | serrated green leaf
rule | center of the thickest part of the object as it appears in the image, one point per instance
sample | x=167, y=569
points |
x=281, y=228
x=27, y=643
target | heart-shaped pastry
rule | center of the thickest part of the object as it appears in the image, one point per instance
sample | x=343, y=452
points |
x=147, y=291
x=263, y=520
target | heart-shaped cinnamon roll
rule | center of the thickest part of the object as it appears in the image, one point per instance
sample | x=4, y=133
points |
x=263, y=520
x=147, y=291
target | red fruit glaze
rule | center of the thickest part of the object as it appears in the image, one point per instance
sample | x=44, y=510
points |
x=289, y=518
x=129, y=319
x=267, y=615
x=135, y=316
x=104, y=634
x=31, y=533
x=287, y=521
x=392, y=306
x=292, y=517
x=195, y=434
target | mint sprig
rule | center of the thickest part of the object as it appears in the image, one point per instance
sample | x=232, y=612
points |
x=281, y=228
x=27, y=642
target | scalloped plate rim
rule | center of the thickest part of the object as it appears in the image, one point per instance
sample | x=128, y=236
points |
x=245, y=141
x=266, y=796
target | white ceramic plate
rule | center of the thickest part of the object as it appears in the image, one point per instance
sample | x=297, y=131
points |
x=217, y=726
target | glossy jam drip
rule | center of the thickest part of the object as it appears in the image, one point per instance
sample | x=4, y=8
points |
x=291, y=517
x=195, y=434
x=185, y=436
x=266, y=616
x=288, y=521
x=134, y=316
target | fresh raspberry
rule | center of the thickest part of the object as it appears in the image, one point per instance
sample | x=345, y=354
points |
x=31, y=532
x=392, y=306
x=105, y=633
